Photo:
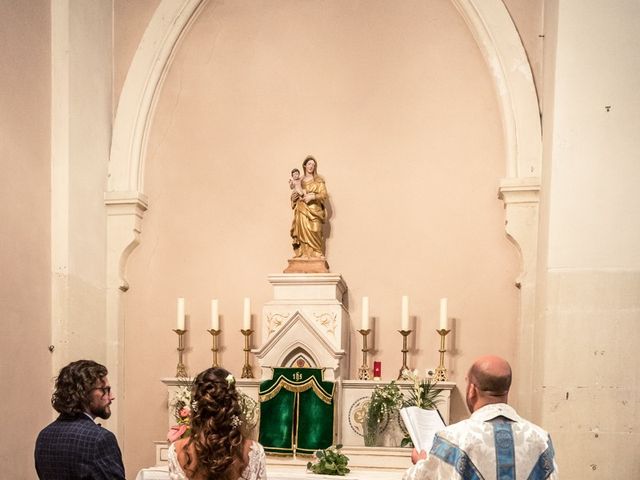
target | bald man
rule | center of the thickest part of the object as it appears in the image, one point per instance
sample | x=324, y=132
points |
x=495, y=443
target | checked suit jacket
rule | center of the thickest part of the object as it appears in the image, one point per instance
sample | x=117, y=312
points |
x=76, y=448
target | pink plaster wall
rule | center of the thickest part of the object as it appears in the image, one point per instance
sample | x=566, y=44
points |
x=25, y=365
x=396, y=103
x=130, y=19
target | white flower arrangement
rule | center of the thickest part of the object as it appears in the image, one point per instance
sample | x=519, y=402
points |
x=423, y=394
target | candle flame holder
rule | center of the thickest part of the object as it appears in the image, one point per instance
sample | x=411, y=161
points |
x=405, y=334
x=363, y=371
x=214, y=347
x=441, y=371
x=247, y=371
x=181, y=370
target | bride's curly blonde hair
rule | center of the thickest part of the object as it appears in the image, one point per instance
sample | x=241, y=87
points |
x=216, y=436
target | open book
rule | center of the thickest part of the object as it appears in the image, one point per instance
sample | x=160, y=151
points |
x=422, y=426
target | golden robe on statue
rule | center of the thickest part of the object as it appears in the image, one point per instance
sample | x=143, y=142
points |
x=308, y=220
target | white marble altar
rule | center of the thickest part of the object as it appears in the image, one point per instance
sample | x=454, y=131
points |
x=288, y=473
x=307, y=325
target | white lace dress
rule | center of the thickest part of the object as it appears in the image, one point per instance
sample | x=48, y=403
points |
x=256, y=469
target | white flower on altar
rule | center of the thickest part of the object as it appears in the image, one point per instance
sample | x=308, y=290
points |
x=182, y=395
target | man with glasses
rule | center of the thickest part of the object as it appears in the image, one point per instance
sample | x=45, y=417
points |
x=74, y=446
x=495, y=443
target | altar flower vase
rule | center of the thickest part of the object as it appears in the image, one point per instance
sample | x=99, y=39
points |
x=371, y=434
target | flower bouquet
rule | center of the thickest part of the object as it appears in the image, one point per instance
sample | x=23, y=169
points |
x=181, y=406
x=385, y=400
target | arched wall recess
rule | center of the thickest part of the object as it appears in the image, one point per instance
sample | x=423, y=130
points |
x=504, y=54
x=496, y=35
x=124, y=199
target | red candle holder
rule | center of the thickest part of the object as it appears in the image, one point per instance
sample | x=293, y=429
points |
x=377, y=369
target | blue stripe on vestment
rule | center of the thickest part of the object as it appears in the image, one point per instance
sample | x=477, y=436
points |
x=453, y=455
x=544, y=466
x=505, y=449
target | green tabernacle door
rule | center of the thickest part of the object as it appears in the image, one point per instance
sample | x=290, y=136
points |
x=296, y=411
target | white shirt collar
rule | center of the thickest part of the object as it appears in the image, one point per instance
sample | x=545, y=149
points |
x=493, y=410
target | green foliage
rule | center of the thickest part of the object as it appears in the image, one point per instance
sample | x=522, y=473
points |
x=330, y=462
x=423, y=394
x=406, y=442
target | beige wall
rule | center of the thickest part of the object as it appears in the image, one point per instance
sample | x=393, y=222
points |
x=588, y=391
x=130, y=19
x=398, y=107
x=25, y=365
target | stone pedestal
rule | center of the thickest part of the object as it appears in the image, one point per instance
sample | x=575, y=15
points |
x=307, y=265
x=305, y=325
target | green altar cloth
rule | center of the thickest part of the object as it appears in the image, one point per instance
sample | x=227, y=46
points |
x=296, y=411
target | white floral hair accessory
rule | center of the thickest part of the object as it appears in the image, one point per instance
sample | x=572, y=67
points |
x=235, y=421
x=230, y=379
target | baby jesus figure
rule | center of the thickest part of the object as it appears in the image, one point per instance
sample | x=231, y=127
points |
x=295, y=182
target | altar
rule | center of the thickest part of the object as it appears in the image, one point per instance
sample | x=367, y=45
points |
x=283, y=473
x=307, y=326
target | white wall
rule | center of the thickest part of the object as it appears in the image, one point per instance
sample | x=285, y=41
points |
x=81, y=136
x=590, y=311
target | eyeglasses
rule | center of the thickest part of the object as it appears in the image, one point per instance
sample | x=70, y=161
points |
x=104, y=390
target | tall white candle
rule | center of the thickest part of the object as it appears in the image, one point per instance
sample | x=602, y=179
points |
x=443, y=314
x=180, y=323
x=215, y=320
x=365, y=313
x=404, y=317
x=246, y=316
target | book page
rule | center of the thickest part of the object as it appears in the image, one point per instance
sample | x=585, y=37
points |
x=422, y=426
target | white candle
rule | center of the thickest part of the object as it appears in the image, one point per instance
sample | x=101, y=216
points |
x=365, y=313
x=215, y=320
x=443, y=314
x=246, y=317
x=404, y=317
x=180, y=325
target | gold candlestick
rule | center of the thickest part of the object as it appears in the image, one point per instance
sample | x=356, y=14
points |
x=214, y=348
x=363, y=371
x=405, y=349
x=247, y=371
x=181, y=371
x=441, y=371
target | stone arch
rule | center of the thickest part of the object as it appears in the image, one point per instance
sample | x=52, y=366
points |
x=496, y=35
x=488, y=21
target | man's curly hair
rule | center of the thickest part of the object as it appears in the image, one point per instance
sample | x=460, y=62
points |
x=73, y=385
x=216, y=439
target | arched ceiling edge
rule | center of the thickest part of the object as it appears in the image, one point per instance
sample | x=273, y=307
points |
x=140, y=89
x=488, y=20
x=496, y=35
